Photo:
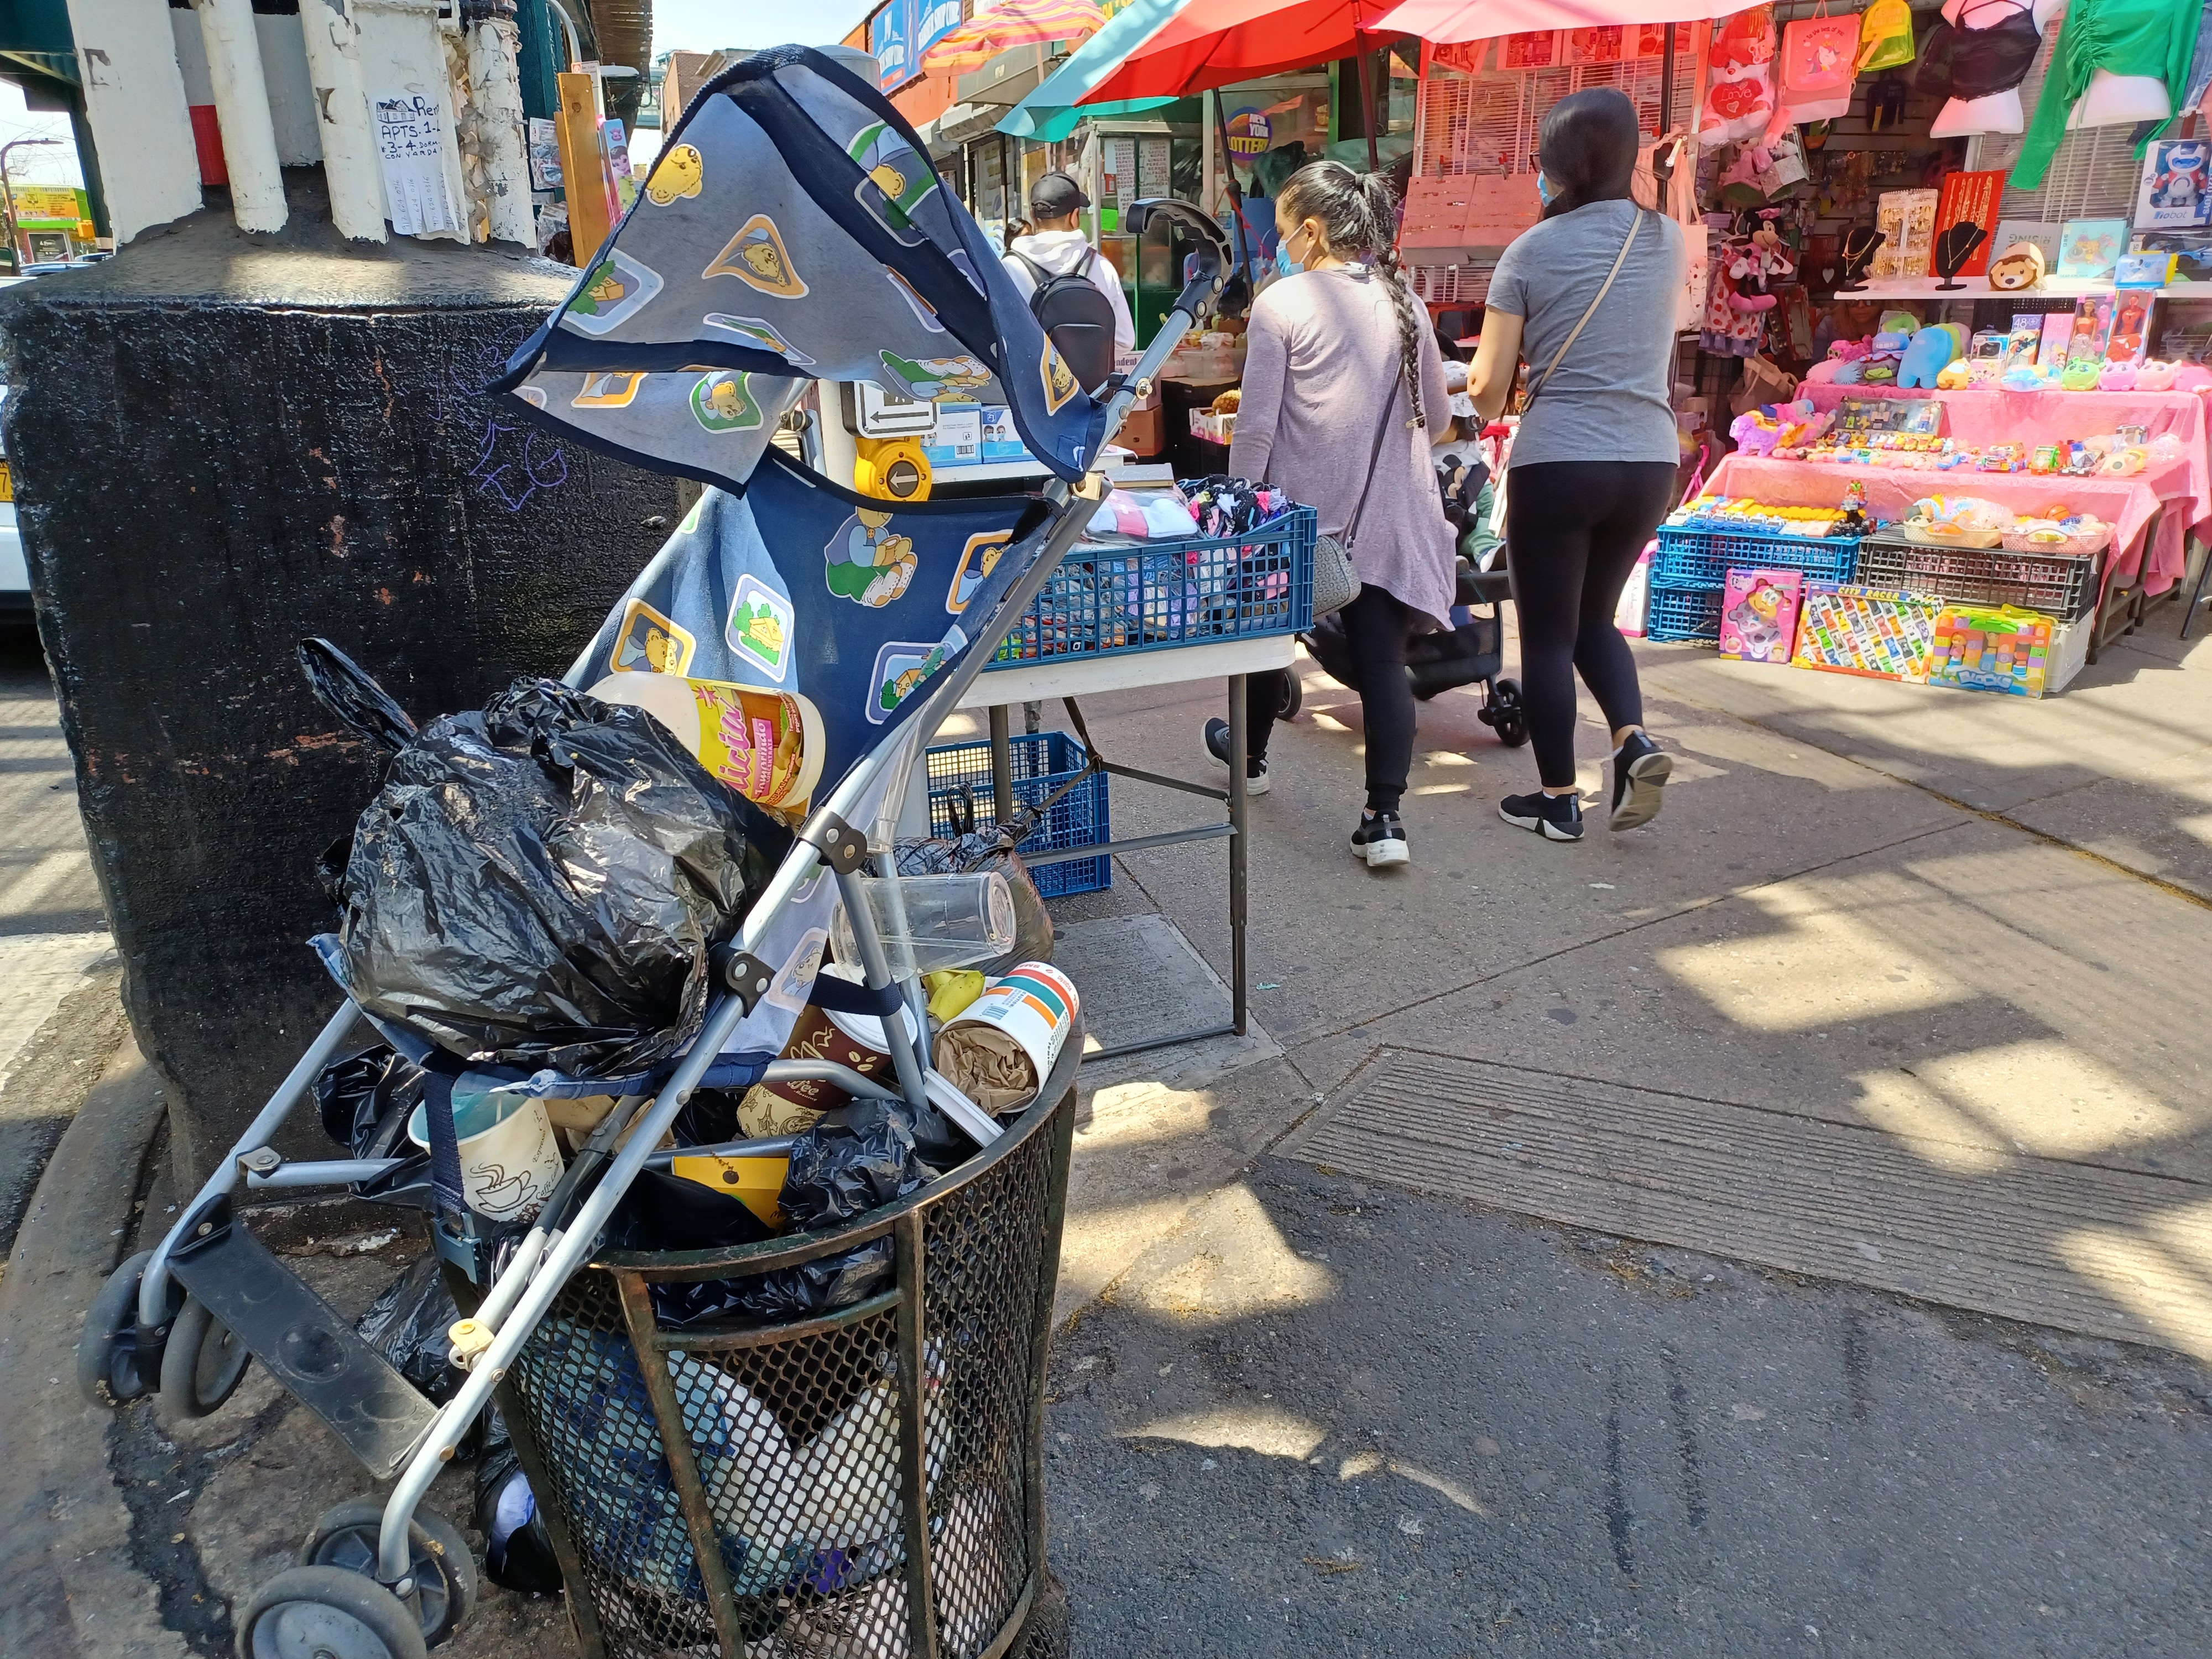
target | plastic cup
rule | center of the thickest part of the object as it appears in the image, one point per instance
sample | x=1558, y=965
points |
x=509, y=1160
x=930, y=922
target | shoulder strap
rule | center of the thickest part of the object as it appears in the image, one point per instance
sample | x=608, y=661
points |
x=1374, y=457
x=1038, y=274
x=1619, y=259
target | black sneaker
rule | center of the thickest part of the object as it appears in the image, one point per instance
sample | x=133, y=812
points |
x=1555, y=818
x=1256, y=769
x=1640, y=770
x=1381, y=840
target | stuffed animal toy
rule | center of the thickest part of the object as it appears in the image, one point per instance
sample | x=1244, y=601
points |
x=2081, y=376
x=1926, y=356
x=1756, y=431
x=1955, y=376
x=2117, y=377
x=1840, y=354
x=1898, y=322
x=2192, y=377
x=2153, y=375
x=2025, y=377
x=1739, y=88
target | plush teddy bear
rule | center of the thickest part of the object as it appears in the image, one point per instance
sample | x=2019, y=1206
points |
x=2153, y=375
x=2117, y=377
x=1926, y=355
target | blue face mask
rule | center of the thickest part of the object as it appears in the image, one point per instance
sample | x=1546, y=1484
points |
x=1543, y=190
x=1285, y=266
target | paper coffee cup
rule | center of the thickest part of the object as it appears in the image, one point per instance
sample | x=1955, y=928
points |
x=510, y=1163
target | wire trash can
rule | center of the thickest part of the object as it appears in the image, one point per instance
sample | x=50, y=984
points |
x=749, y=1491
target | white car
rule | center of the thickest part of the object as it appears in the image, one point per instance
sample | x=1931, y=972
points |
x=15, y=574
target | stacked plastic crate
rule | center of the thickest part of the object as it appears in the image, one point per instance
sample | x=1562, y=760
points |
x=1694, y=564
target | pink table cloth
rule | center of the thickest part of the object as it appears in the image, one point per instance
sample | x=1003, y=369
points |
x=1985, y=416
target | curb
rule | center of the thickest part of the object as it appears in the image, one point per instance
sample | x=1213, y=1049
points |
x=66, y=1557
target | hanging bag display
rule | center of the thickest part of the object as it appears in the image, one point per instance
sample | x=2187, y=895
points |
x=1884, y=35
x=1820, y=57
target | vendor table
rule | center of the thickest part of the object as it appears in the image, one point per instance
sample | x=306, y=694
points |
x=1069, y=677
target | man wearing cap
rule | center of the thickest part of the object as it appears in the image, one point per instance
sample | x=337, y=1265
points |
x=1055, y=248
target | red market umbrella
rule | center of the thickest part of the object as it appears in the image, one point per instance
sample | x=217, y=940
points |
x=1213, y=43
x=1446, y=22
x=1009, y=24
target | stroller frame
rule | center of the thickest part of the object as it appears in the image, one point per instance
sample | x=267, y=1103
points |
x=132, y=1324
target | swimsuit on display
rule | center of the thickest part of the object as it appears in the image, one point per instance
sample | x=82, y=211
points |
x=1987, y=51
x=2154, y=37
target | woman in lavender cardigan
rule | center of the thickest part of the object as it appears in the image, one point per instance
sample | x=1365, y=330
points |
x=1341, y=378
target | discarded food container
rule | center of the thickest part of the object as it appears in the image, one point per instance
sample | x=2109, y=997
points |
x=929, y=922
x=789, y=1106
x=998, y=1050
x=767, y=745
x=509, y=1163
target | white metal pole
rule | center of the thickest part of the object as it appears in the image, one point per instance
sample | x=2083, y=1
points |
x=495, y=86
x=342, y=121
x=241, y=110
x=134, y=101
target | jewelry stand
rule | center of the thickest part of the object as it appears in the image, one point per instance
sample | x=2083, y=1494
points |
x=1952, y=249
x=1857, y=253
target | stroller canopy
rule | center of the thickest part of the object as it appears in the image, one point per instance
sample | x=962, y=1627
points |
x=794, y=229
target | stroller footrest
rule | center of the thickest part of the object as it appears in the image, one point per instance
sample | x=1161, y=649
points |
x=308, y=1347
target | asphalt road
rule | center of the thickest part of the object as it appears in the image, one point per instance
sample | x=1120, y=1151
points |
x=1459, y=1432
x=59, y=1019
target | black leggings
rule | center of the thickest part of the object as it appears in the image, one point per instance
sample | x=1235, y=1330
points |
x=1377, y=627
x=1574, y=531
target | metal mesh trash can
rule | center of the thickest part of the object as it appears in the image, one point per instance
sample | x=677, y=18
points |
x=865, y=1484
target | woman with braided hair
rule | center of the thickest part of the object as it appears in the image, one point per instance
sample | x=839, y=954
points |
x=1341, y=379
x=1588, y=296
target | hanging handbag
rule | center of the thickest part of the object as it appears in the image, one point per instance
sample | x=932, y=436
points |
x=1819, y=56
x=1335, y=584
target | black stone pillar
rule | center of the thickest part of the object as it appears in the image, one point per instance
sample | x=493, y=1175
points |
x=222, y=443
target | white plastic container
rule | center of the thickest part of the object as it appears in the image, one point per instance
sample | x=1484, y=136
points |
x=929, y=922
x=510, y=1162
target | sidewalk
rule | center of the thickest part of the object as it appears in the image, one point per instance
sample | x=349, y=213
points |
x=1895, y=1001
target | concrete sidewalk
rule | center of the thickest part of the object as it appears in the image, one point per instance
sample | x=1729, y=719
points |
x=1894, y=1001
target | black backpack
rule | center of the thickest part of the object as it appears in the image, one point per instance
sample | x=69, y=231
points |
x=1077, y=317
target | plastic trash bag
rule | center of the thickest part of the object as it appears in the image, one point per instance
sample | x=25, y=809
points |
x=857, y=1158
x=537, y=885
x=365, y=1099
x=518, y=1550
x=408, y=1324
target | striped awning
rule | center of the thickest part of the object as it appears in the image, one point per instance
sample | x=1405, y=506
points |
x=1011, y=23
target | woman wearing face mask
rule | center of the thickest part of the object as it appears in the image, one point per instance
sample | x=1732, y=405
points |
x=1342, y=380
x=1587, y=297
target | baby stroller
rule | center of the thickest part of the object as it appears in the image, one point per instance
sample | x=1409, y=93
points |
x=1469, y=654
x=794, y=230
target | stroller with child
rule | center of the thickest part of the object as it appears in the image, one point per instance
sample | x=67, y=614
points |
x=1471, y=652
x=867, y=1476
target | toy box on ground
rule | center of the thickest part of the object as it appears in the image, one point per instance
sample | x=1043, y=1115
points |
x=2021, y=652
x=1849, y=629
x=1759, y=614
x=960, y=781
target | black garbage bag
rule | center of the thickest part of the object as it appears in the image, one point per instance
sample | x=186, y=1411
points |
x=518, y=1550
x=857, y=1158
x=366, y=1099
x=975, y=852
x=408, y=1324
x=539, y=884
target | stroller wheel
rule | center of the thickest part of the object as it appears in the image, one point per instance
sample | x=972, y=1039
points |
x=445, y=1572
x=327, y=1612
x=1508, y=714
x=107, y=1352
x=1293, y=697
x=203, y=1364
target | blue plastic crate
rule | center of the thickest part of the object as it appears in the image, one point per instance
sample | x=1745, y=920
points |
x=1683, y=613
x=1149, y=596
x=1042, y=761
x=1690, y=557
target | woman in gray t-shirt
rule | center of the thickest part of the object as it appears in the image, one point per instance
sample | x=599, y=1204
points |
x=1594, y=462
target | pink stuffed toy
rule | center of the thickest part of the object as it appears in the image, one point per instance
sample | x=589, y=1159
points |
x=1843, y=351
x=2151, y=376
x=2192, y=377
x=2117, y=377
